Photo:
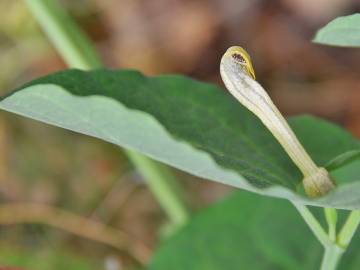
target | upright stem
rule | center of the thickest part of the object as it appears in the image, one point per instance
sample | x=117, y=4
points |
x=331, y=219
x=334, y=246
x=69, y=40
x=333, y=251
x=78, y=52
x=331, y=257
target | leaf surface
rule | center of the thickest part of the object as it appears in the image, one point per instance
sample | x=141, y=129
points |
x=342, y=31
x=193, y=126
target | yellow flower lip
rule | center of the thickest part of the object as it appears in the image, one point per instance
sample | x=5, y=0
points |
x=242, y=58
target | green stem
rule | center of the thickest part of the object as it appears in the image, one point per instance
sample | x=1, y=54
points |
x=334, y=252
x=331, y=219
x=69, y=40
x=314, y=224
x=348, y=230
x=78, y=52
x=331, y=257
x=334, y=246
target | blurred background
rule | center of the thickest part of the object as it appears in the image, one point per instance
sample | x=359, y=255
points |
x=69, y=175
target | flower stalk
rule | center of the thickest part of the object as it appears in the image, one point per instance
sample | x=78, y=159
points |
x=239, y=78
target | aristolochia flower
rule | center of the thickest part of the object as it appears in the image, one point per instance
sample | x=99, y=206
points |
x=239, y=77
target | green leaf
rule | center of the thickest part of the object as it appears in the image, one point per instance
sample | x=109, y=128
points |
x=246, y=231
x=342, y=31
x=193, y=126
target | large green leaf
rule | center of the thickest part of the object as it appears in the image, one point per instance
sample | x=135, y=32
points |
x=342, y=31
x=246, y=231
x=193, y=126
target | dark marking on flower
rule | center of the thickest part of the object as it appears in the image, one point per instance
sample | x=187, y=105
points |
x=238, y=57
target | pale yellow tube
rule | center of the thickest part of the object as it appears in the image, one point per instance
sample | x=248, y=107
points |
x=239, y=78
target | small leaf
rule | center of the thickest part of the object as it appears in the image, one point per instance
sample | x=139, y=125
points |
x=342, y=31
x=193, y=126
x=343, y=159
